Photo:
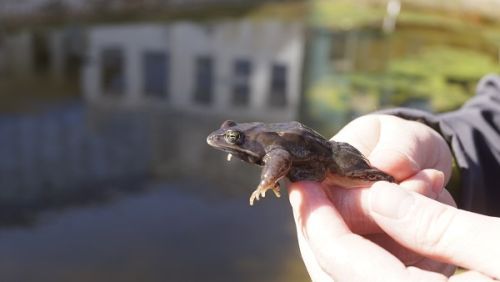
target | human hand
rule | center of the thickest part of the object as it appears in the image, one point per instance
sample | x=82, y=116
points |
x=397, y=146
x=414, y=154
x=435, y=231
x=407, y=150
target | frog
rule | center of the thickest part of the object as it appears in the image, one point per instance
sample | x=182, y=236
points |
x=293, y=151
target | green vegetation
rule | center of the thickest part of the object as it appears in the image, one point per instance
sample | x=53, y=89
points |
x=438, y=78
x=433, y=59
x=344, y=14
x=444, y=76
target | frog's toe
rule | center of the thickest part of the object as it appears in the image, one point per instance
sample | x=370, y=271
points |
x=254, y=196
x=257, y=194
x=276, y=190
x=263, y=193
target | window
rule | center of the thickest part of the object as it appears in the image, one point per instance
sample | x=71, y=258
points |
x=41, y=52
x=278, y=87
x=156, y=74
x=204, y=80
x=113, y=72
x=241, y=86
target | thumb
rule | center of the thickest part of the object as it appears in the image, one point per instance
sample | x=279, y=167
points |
x=436, y=230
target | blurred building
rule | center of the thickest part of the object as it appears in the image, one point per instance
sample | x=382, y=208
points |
x=17, y=53
x=239, y=69
x=184, y=78
x=56, y=53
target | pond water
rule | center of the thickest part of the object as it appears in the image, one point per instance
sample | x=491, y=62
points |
x=105, y=174
x=165, y=232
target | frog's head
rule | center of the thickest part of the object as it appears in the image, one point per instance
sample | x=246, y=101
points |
x=238, y=140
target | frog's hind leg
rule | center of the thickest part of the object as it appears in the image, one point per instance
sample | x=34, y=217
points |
x=350, y=163
x=371, y=174
x=277, y=163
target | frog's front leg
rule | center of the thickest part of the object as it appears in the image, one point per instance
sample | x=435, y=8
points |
x=277, y=163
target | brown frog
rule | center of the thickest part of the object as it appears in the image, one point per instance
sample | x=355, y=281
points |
x=293, y=150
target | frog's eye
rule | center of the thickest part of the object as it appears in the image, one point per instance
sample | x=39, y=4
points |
x=233, y=137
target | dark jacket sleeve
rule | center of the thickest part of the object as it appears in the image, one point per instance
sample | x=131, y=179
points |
x=473, y=133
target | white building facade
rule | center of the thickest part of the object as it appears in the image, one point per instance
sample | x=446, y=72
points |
x=233, y=68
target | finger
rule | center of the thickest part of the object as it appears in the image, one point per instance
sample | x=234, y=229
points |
x=470, y=276
x=421, y=146
x=427, y=182
x=374, y=136
x=394, y=161
x=436, y=230
x=354, y=204
x=430, y=183
x=409, y=257
x=312, y=266
x=362, y=133
x=341, y=254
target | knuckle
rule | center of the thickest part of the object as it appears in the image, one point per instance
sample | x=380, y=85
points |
x=432, y=230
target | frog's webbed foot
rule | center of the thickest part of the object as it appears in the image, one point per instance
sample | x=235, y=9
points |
x=261, y=192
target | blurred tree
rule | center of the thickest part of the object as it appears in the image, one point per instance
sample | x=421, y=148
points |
x=432, y=59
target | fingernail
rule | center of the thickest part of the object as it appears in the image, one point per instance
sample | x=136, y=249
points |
x=390, y=200
x=438, y=183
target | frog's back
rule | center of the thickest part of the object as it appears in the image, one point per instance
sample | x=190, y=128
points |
x=302, y=141
x=294, y=128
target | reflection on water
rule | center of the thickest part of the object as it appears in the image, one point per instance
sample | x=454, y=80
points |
x=163, y=234
x=53, y=159
x=79, y=202
x=118, y=184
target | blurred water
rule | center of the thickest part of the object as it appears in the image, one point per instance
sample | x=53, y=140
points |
x=160, y=234
x=51, y=158
x=81, y=203
x=105, y=174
